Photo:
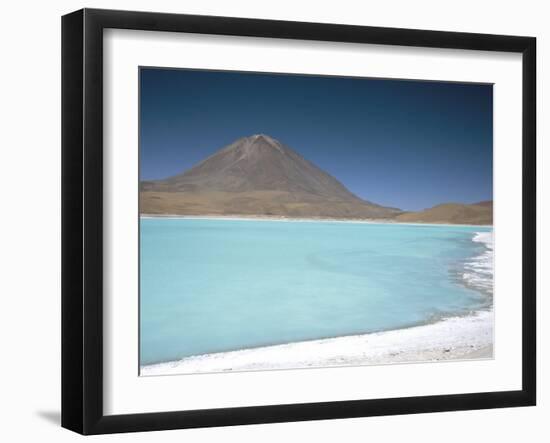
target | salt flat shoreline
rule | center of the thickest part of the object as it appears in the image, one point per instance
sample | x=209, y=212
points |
x=455, y=338
x=297, y=219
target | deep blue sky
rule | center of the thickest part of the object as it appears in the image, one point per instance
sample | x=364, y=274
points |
x=407, y=144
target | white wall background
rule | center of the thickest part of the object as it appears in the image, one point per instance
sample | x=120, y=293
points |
x=30, y=218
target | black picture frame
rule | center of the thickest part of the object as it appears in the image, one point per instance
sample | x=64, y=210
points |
x=82, y=215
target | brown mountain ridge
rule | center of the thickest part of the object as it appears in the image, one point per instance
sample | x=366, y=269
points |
x=454, y=213
x=260, y=176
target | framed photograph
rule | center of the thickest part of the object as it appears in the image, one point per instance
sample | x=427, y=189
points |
x=269, y=221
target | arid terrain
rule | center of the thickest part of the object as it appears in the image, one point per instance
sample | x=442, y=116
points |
x=260, y=176
x=474, y=214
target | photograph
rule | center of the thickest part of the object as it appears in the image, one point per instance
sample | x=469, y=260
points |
x=297, y=221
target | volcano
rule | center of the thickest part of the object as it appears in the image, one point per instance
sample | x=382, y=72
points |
x=256, y=175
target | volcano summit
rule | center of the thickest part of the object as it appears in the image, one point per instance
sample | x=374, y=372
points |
x=256, y=175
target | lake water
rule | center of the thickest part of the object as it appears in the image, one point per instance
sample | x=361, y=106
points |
x=218, y=285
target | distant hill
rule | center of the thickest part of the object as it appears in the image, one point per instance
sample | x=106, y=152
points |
x=256, y=175
x=455, y=213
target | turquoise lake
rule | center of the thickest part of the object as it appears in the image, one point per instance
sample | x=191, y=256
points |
x=213, y=285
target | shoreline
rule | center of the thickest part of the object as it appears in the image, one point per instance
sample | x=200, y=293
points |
x=453, y=338
x=301, y=219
